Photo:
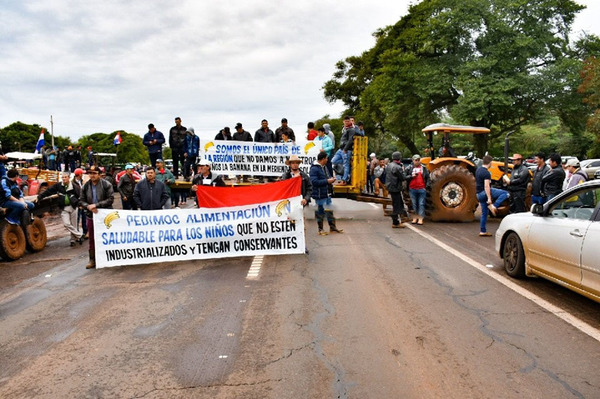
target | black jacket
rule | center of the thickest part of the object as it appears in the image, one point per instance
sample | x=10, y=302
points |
x=62, y=192
x=150, y=196
x=519, y=178
x=552, y=181
x=536, y=188
x=126, y=186
x=394, y=176
x=104, y=192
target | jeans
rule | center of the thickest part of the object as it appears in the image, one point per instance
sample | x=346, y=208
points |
x=417, y=198
x=339, y=158
x=498, y=197
x=15, y=208
x=538, y=199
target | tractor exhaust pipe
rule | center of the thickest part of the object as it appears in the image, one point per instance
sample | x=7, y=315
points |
x=506, y=150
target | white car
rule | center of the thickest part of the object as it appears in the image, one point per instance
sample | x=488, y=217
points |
x=559, y=241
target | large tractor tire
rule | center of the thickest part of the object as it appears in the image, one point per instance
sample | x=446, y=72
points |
x=451, y=195
x=12, y=241
x=35, y=235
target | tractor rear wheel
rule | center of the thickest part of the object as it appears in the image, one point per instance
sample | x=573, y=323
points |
x=35, y=235
x=12, y=241
x=451, y=195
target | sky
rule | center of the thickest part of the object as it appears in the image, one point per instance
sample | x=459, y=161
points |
x=120, y=65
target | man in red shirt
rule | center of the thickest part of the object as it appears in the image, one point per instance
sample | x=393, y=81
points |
x=417, y=177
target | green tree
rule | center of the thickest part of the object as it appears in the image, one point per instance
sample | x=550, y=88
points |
x=495, y=63
x=131, y=148
x=20, y=136
x=590, y=88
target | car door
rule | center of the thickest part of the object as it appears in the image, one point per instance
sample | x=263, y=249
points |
x=556, y=239
x=590, y=254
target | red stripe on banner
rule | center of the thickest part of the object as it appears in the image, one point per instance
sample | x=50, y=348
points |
x=219, y=197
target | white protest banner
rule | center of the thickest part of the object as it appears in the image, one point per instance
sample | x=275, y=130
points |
x=267, y=227
x=260, y=159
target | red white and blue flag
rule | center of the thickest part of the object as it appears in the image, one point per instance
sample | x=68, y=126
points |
x=40, y=142
x=117, y=139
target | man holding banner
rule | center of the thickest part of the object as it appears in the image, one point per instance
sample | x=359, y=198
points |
x=95, y=193
x=294, y=163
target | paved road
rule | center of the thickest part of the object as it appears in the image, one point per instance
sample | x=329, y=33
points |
x=371, y=313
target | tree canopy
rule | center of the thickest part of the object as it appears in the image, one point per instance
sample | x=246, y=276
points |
x=499, y=64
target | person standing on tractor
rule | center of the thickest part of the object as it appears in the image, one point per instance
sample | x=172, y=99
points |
x=154, y=140
x=394, y=176
x=177, y=143
x=489, y=198
x=517, y=184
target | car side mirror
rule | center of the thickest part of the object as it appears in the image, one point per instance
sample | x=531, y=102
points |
x=537, y=209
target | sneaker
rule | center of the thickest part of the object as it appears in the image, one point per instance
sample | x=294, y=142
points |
x=398, y=226
x=486, y=234
x=323, y=233
x=492, y=209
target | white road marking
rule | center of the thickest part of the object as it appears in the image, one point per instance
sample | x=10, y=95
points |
x=555, y=310
x=254, y=270
x=376, y=206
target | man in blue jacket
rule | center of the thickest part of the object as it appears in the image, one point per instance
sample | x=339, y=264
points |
x=191, y=151
x=321, y=181
x=154, y=140
x=11, y=197
x=150, y=193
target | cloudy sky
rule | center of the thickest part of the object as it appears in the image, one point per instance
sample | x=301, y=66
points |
x=100, y=66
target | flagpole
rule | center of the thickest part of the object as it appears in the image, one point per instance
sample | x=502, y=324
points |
x=52, y=130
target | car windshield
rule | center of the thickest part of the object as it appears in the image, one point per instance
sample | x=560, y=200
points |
x=579, y=205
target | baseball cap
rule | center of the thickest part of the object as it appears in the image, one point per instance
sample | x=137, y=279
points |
x=415, y=157
x=128, y=166
x=160, y=160
x=203, y=162
x=573, y=162
x=78, y=172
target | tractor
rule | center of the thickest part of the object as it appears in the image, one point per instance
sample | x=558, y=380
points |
x=451, y=195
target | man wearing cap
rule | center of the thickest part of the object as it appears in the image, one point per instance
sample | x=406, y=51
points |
x=95, y=193
x=126, y=187
x=68, y=202
x=150, y=194
x=205, y=177
x=294, y=171
x=154, y=140
x=284, y=128
x=165, y=176
x=177, y=143
x=577, y=175
x=417, y=177
x=224, y=134
x=517, y=184
x=394, y=176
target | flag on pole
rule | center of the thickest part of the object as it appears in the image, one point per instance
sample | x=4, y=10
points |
x=117, y=139
x=40, y=142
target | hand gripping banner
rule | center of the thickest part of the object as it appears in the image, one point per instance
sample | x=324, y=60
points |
x=232, y=221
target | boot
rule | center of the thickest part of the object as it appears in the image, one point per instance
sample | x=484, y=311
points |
x=92, y=262
x=331, y=221
x=319, y=218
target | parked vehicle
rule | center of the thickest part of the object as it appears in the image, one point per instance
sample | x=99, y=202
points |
x=557, y=241
x=590, y=167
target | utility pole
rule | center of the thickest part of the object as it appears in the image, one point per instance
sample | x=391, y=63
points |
x=52, y=130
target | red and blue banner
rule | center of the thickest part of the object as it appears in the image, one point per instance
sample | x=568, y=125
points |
x=231, y=221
